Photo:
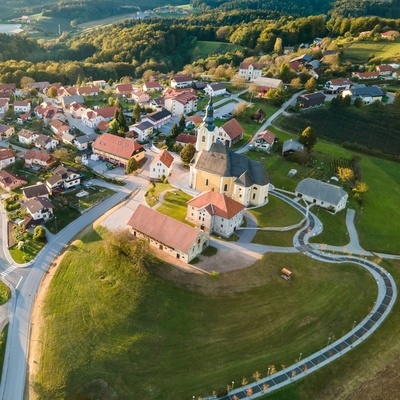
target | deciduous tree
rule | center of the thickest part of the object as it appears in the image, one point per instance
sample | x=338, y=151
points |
x=187, y=153
x=308, y=138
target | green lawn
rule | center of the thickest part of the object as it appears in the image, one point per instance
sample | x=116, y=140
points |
x=5, y=293
x=186, y=334
x=64, y=215
x=154, y=191
x=174, y=205
x=206, y=48
x=335, y=231
x=276, y=213
x=273, y=238
x=3, y=342
x=361, y=52
x=364, y=372
x=27, y=253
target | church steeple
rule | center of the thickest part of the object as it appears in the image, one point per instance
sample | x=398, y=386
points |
x=209, y=117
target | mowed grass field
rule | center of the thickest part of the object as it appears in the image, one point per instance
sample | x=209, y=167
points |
x=147, y=337
x=206, y=48
x=361, y=52
x=369, y=372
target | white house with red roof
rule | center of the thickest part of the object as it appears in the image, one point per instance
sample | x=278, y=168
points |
x=168, y=235
x=161, y=165
x=59, y=127
x=180, y=81
x=153, y=86
x=6, y=131
x=27, y=137
x=230, y=132
x=365, y=75
x=215, y=213
x=38, y=158
x=180, y=102
x=77, y=109
x=87, y=91
x=92, y=118
x=4, y=105
x=140, y=96
x=22, y=106
x=263, y=141
x=391, y=34
x=385, y=70
x=7, y=157
x=10, y=181
x=338, y=85
x=124, y=89
x=22, y=118
x=43, y=109
x=117, y=149
x=184, y=138
x=250, y=71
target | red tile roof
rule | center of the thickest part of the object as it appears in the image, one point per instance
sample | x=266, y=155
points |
x=218, y=203
x=267, y=136
x=164, y=157
x=233, y=128
x=182, y=78
x=246, y=65
x=185, y=138
x=106, y=112
x=164, y=229
x=6, y=153
x=117, y=146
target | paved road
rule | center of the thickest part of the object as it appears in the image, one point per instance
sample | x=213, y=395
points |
x=387, y=294
x=13, y=379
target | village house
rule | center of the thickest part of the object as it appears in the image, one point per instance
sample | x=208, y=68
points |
x=265, y=84
x=158, y=118
x=59, y=127
x=250, y=71
x=184, y=139
x=153, y=86
x=6, y=131
x=216, y=168
x=231, y=132
x=92, y=118
x=368, y=94
x=337, y=85
x=144, y=130
x=117, y=150
x=35, y=158
x=180, y=81
x=7, y=157
x=385, y=70
x=45, y=142
x=259, y=116
x=168, y=235
x=365, y=75
x=215, y=89
x=4, y=105
x=291, y=146
x=215, y=213
x=27, y=137
x=22, y=118
x=43, y=109
x=322, y=194
x=38, y=190
x=22, y=106
x=66, y=101
x=40, y=86
x=263, y=141
x=63, y=178
x=87, y=91
x=7, y=89
x=10, y=181
x=40, y=209
x=140, y=97
x=161, y=165
x=311, y=100
x=77, y=109
x=82, y=142
x=180, y=102
x=390, y=35
x=124, y=89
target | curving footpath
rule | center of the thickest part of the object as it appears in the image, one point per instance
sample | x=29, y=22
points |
x=387, y=294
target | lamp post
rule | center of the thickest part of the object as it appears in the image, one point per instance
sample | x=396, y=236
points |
x=300, y=356
x=354, y=324
x=269, y=369
x=55, y=224
x=233, y=384
x=329, y=341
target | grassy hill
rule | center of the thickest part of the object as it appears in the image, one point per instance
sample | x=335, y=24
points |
x=171, y=335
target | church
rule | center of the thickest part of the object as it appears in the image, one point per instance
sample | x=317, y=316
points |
x=216, y=168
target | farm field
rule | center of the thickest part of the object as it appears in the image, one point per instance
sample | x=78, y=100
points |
x=361, y=52
x=363, y=126
x=205, y=48
x=159, y=321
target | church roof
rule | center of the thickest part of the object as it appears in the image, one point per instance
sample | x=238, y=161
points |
x=222, y=162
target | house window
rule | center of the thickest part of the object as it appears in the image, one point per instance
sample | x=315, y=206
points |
x=225, y=187
x=203, y=139
x=254, y=196
x=206, y=182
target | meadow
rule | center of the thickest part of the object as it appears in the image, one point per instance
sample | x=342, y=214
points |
x=362, y=51
x=111, y=323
